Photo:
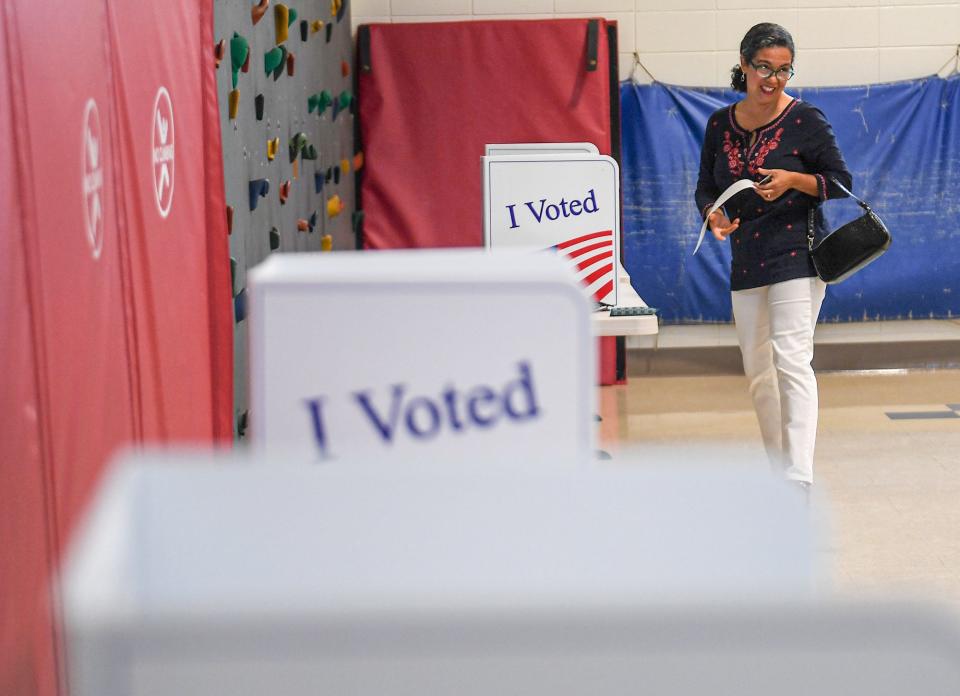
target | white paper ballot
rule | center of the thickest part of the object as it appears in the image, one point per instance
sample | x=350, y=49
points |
x=734, y=188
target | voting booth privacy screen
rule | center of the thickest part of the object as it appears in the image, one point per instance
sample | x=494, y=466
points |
x=438, y=383
x=567, y=205
x=901, y=142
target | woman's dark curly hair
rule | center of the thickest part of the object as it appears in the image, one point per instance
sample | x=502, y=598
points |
x=759, y=37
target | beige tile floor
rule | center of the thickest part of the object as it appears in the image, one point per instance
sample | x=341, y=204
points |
x=889, y=489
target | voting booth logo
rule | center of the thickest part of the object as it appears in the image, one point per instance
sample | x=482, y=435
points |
x=591, y=257
x=567, y=204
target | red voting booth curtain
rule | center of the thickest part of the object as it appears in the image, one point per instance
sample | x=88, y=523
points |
x=115, y=320
x=432, y=95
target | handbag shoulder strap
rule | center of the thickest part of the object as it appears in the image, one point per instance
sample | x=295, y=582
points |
x=810, y=211
x=863, y=204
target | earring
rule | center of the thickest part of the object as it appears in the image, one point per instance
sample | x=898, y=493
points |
x=743, y=76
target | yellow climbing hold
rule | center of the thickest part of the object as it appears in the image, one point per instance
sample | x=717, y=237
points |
x=281, y=17
x=234, y=103
x=334, y=206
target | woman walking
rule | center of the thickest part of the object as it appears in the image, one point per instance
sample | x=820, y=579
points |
x=788, y=148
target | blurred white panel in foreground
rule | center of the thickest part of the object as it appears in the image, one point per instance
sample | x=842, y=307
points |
x=240, y=579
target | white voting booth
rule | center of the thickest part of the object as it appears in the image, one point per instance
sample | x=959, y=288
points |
x=564, y=198
x=397, y=356
x=243, y=578
x=564, y=202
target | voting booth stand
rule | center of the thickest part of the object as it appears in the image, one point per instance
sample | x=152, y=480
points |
x=566, y=203
x=447, y=355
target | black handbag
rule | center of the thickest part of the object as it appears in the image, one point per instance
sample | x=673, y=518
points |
x=846, y=250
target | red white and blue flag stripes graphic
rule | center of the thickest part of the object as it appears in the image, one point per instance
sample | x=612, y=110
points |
x=592, y=258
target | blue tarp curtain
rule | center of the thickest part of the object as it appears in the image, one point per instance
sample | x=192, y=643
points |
x=901, y=141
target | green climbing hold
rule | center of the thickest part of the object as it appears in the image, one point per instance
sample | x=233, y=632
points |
x=239, y=49
x=291, y=16
x=319, y=101
x=326, y=99
x=345, y=98
x=278, y=71
x=309, y=152
x=273, y=59
x=297, y=143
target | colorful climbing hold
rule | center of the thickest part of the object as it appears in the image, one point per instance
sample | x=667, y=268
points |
x=326, y=242
x=345, y=98
x=329, y=32
x=274, y=239
x=356, y=221
x=259, y=188
x=358, y=161
x=335, y=7
x=344, y=166
x=233, y=102
x=291, y=16
x=273, y=58
x=281, y=18
x=316, y=26
x=258, y=10
x=229, y=219
x=219, y=51
x=283, y=59
x=318, y=182
x=297, y=142
x=344, y=68
x=240, y=306
x=321, y=101
x=258, y=105
x=273, y=146
x=290, y=64
x=239, y=48
x=304, y=29
x=309, y=152
x=303, y=225
x=284, y=192
x=335, y=206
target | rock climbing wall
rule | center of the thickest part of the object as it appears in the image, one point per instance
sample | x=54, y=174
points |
x=285, y=88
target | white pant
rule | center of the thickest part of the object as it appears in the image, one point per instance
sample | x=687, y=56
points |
x=775, y=325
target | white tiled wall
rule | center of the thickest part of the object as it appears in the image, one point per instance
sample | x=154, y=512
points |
x=695, y=42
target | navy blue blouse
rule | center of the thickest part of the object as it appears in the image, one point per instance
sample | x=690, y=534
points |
x=770, y=246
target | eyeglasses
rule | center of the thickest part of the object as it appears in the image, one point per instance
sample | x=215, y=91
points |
x=765, y=71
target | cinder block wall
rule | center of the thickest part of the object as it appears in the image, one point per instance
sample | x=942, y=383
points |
x=695, y=42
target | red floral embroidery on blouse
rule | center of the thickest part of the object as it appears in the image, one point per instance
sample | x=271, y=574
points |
x=766, y=148
x=734, y=158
